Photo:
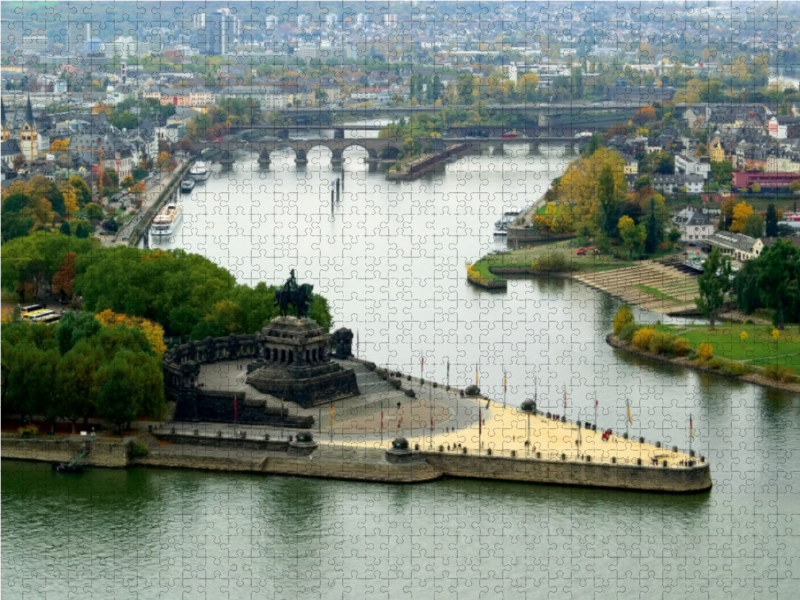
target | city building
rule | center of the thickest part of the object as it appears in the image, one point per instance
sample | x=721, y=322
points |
x=736, y=245
x=783, y=127
x=772, y=181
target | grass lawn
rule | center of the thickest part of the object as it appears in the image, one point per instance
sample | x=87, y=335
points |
x=524, y=257
x=758, y=349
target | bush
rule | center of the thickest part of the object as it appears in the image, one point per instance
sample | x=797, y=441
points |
x=681, y=347
x=623, y=317
x=715, y=362
x=551, y=262
x=139, y=450
x=28, y=430
x=662, y=343
x=736, y=368
x=779, y=373
x=626, y=331
x=705, y=351
x=641, y=339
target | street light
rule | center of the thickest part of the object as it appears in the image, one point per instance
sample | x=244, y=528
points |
x=528, y=407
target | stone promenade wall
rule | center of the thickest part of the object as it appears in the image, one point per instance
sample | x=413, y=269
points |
x=101, y=454
x=644, y=478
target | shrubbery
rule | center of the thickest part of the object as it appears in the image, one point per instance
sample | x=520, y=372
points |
x=623, y=317
x=779, y=373
x=551, y=262
x=626, y=331
x=681, y=347
x=661, y=343
x=705, y=351
x=641, y=339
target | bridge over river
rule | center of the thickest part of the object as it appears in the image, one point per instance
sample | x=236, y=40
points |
x=376, y=148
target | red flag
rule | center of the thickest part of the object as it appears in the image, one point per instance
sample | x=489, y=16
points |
x=596, y=402
x=480, y=421
x=235, y=410
x=400, y=422
x=565, y=396
x=422, y=362
x=431, y=424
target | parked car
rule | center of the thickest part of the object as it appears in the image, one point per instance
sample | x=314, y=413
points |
x=581, y=251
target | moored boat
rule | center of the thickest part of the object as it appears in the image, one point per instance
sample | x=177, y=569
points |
x=200, y=171
x=165, y=222
x=187, y=185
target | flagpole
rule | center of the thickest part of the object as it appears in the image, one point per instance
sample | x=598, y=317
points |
x=505, y=385
x=691, y=433
x=421, y=367
x=448, y=372
x=595, y=409
x=381, y=423
x=430, y=402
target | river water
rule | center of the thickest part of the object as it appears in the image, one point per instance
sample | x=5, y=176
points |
x=391, y=258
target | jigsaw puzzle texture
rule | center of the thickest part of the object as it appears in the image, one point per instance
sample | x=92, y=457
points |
x=475, y=188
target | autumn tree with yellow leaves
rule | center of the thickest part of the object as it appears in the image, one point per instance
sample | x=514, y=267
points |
x=152, y=330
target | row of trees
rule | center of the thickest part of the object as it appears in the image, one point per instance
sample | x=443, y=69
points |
x=772, y=281
x=38, y=204
x=80, y=368
x=187, y=294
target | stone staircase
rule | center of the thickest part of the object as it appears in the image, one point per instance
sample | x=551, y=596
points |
x=624, y=283
x=368, y=381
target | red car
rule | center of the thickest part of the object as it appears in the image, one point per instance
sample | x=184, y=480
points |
x=581, y=251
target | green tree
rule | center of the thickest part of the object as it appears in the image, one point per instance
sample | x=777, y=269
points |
x=129, y=385
x=778, y=267
x=655, y=228
x=75, y=327
x=77, y=393
x=713, y=284
x=64, y=228
x=745, y=286
x=609, y=204
x=633, y=236
x=754, y=226
x=771, y=222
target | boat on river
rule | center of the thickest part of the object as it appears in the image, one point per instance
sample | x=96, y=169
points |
x=187, y=185
x=165, y=222
x=200, y=171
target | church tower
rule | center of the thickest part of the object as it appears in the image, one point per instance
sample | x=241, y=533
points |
x=6, y=129
x=29, y=135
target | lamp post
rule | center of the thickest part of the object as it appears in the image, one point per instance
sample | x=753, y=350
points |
x=528, y=407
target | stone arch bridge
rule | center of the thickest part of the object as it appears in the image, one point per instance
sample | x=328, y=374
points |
x=376, y=148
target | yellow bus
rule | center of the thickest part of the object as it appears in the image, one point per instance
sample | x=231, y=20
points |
x=32, y=315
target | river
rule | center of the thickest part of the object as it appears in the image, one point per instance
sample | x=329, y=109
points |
x=391, y=258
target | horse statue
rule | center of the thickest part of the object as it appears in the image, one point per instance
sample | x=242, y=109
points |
x=298, y=296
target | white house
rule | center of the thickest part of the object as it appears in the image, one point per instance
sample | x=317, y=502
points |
x=695, y=227
x=691, y=165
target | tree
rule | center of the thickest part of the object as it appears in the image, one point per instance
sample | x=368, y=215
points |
x=74, y=327
x=771, y=221
x=606, y=196
x=82, y=191
x=713, y=284
x=623, y=316
x=726, y=214
x=165, y=162
x=794, y=187
x=655, y=228
x=633, y=236
x=64, y=279
x=77, y=394
x=755, y=188
x=778, y=265
x=64, y=228
x=745, y=286
x=741, y=212
x=674, y=235
x=754, y=226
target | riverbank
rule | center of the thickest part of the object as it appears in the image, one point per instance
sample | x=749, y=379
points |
x=418, y=166
x=360, y=463
x=754, y=377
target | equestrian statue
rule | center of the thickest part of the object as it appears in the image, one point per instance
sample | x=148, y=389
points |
x=298, y=296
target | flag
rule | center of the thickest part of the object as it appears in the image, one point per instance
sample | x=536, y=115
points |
x=422, y=363
x=691, y=428
x=596, y=402
x=476, y=374
x=400, y=422
x=431, y=424
x=505, y=383
x=332, y=412
x=565, y=397
x=381, y=420
x=235, y=410
x=357, y=336
x=448, y=369
x=480, y=421
x=630, y=419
